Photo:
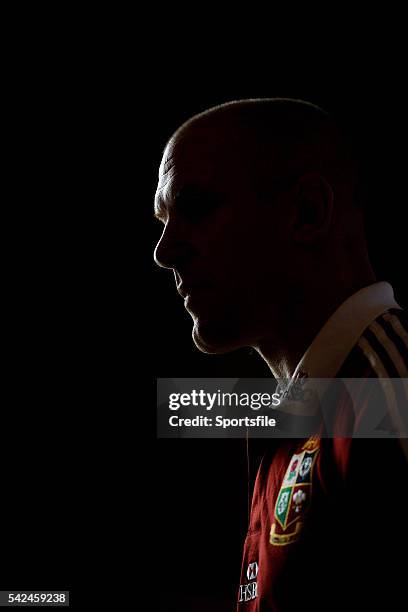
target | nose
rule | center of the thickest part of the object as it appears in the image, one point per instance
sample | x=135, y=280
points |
x=173, y=248
x=159, y=254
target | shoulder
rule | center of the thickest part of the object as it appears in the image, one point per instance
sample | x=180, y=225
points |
x=382, y=349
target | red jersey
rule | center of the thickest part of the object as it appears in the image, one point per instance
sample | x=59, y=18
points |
x=327, y=525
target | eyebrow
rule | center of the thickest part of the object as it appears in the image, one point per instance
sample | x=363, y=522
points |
x=184, y=193
x=160, y=210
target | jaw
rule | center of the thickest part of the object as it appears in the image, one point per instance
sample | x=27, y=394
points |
x=209, y=341
x=221, y=336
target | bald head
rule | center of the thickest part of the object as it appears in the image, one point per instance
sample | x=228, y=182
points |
x=276, y=140
x=254, y=195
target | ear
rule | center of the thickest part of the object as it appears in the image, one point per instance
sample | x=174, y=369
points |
x=313, y=209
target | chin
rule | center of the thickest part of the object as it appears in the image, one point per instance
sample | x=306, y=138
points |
x=215, y=339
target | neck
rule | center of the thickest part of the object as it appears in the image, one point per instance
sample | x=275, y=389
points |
x=303, y=319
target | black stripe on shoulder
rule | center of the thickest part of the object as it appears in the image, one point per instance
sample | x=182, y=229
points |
x=382, y=353
x=356, y=365
x=394, y=336
x=402, y=316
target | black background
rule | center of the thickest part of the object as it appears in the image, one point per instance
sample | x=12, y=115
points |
x=88, y=116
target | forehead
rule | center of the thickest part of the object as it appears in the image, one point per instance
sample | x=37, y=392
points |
x=200, y=157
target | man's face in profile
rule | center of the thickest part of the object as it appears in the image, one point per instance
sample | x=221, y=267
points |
x=225, y=246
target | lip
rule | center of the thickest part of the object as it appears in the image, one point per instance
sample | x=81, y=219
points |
x=187, y=290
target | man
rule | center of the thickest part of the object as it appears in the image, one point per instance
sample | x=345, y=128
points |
x=262, y=207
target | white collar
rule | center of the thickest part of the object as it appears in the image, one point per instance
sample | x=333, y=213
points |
x=329, y=349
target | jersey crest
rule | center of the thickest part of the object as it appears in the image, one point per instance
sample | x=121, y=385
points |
x=295, y=495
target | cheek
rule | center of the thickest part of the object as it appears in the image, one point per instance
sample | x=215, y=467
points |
x=239, y=252
x=238, y=256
